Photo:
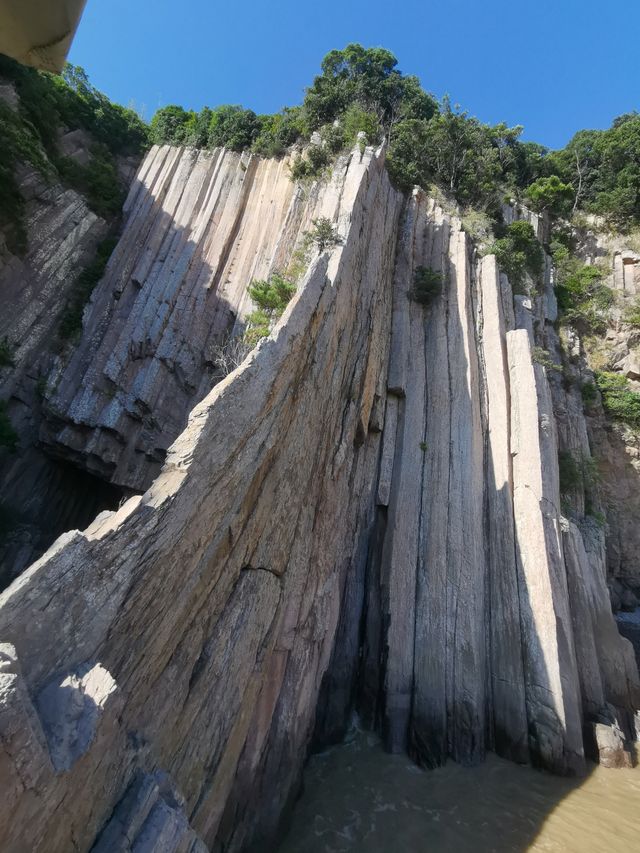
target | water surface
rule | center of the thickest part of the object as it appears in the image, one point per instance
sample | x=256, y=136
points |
x=359, y=799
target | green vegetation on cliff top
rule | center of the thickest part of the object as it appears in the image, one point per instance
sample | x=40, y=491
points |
x=50, y=105
x=359, y=89
x=476, y=164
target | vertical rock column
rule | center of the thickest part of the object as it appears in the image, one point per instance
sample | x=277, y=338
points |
x=433, y=572
x=552, y=690
x=507, y=717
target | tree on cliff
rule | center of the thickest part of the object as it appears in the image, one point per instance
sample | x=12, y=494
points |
x=169, y=125
x=550, y=194
x=476, y=164
x=467, y=158
x=368, y=78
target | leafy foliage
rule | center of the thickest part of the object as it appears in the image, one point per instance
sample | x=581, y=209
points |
x=19, y=143
x=48, y=104
x=604, y=168
x=48, y=101
x=312, y=165
x=356, y=120
x=81, y=291
x=618, y=399
x=589, y=393
x=366, y=78
x=476, y=164
x=170, y=125
x=279, y=131
x=631, y=314
x=519, y=252
x=233, y=127
x=427, y=285
x=323, y=235
x=582, y=297
x=97, y=181
x=577, y=471
x=550, y=194
x=470, y=160
x=271, y=297
x=542, y=356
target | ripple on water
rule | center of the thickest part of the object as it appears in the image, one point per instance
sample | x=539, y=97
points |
x=359, y=799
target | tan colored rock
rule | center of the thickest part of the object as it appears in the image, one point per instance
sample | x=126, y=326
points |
x=217, y=666
x=553, y=698
x=200, y=225
x=174, y=662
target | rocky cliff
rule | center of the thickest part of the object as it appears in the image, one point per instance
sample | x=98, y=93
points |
x=55, y=228
x=366, y=513
x=63, y=236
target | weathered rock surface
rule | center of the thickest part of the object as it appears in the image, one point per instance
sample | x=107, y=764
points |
x=216, y=684
x=366, y=512
x=614, y=446
x=63, y=234
x=200, y=225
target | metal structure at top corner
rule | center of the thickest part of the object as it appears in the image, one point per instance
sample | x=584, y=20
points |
x=39, y=32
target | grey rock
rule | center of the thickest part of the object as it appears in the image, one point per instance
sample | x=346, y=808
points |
x=178, y=647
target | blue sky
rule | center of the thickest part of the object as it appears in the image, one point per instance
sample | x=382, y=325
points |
x=555, y=66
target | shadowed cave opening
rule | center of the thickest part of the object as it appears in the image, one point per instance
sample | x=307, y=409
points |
x=46, y=499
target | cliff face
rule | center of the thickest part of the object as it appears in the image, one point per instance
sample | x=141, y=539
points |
x=365, y=513
x=63, y=235
x=616, y=447
x=200, y=226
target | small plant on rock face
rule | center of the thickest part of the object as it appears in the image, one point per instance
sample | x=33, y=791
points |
x=323, y=235
x=271, y=297
x=542, y=356
x=589, y=393
x=577, y=471
x=71, y=322
x=618, y=400
x=427, y=285
x=312, y=165
x=631, y=314
x=519, y=252
x=229, y=354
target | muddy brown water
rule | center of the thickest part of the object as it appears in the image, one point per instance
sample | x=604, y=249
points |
x=359, y=799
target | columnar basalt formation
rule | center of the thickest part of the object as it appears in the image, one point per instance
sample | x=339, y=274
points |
x=365, y=513
x=477, y=616
x=214, y=669
x=200, y=225
x=63, y=234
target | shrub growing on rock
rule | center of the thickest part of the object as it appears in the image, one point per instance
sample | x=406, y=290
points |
x=71, y=323
x=311, y=165
x=618, y=399
x=324, y=234
x=271, y=298
x=576, y=471
x=550, y=194
x=583, y=299
x=427, y=285
x=519, y=252
x=631, y=314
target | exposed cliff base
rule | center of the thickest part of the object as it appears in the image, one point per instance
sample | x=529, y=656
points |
x=365, y=512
